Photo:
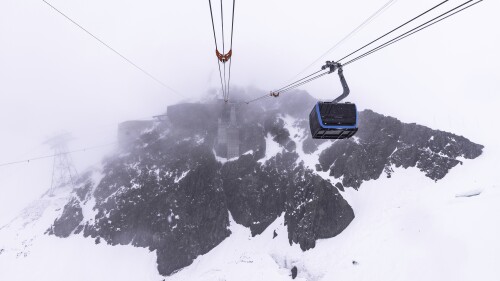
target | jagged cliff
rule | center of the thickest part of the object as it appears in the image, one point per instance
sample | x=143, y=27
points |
x=170, y=189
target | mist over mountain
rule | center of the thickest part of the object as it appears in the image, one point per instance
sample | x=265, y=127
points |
x=174, y=185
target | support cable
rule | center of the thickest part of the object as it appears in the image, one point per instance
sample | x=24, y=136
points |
x=290, y=87
x=223, y=50
x=113, y=50
x=304, y=82
x=257, y=99
x=380, y=11
x=215, y=40
x=416, y=29
x=395, y=29
x=57, y=154
x=231, y=48
x=357, y=29
x=291, y=84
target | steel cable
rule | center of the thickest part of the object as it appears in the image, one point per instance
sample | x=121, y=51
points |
x=412, y=31
x=231, y=48
x=416, y=30
x=299, y=80
x=304, y=82
x=288, y=89
x=352, y=33
x=404, y=24
x=223, y=50
x=58, y=154
x=215, y=39
x=113, y=50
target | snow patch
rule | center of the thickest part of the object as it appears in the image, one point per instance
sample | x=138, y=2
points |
x=184, y=174
x=250, y=152
x=243, y=257
x=88, y=211
x=223, y=160
x=470, y=193
x=299, y=135
x=272, y=149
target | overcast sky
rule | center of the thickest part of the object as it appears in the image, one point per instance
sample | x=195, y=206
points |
x=55, y=77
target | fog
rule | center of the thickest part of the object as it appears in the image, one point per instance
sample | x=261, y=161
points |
x=54, y=76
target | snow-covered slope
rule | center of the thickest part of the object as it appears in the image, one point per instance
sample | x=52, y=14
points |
x=406, y=228
x=346, y=209
x=27, y=253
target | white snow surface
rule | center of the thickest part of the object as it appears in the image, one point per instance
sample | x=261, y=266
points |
x=299, y=135
x=272, y=149
x=406, y=228
x=26, y=253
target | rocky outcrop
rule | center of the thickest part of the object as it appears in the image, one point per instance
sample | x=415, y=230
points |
x=385, y=142
x=69, y=220
x=169, y=190
x=164, y=196
x=315, y=210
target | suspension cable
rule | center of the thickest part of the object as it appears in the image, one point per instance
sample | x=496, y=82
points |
x=223, y=49
x=215, y=40
x=304, y=82
x=113, y=50
x=397, y=28
x=380, y=11
x=291, y=84
x=58, y=154
x=353, y=32
x=257, y=99
x=286, y=89
x=224, y=57
x=231, y=48
x=416, y=29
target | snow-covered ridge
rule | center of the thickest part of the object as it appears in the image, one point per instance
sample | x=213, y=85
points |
x=172, y=191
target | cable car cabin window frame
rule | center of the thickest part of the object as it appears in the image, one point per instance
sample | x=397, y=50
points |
x=321, y=131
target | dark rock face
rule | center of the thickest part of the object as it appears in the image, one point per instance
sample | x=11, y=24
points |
x=315, y=210
x=383, y=142
x=165, y=189
x=164, y=196
x=294, y=272
x=69, y=220
x=254, y=199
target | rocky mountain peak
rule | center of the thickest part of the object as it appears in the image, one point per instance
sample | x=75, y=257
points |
x=173, y=184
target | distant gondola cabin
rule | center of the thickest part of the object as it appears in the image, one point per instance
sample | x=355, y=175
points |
x=329, y=120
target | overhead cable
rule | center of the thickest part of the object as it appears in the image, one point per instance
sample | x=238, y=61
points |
x=223, y=49
x=395, y=29
x=380, y=11
x=284, y=88
x=113, y=50
x=54, y=155
x=352, y=33
x=291, y=84
x=215, y=40
x=231, y=48
x=304, y=82
x=288, y=88
x=416, y=29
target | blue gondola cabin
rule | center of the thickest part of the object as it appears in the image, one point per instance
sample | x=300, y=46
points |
x=330, y=120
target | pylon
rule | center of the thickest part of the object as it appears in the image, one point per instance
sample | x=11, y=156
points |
x=64, y=172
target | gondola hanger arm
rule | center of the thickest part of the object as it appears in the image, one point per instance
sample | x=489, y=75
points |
x=223, y=57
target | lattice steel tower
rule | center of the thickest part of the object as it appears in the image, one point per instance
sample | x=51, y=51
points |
x=63, y=171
